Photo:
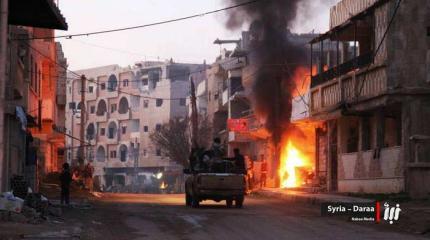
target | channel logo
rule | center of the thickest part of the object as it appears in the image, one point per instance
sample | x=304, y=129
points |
x=392, y=213
x=363, y=212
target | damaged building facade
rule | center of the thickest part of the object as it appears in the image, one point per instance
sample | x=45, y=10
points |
x=372, y=96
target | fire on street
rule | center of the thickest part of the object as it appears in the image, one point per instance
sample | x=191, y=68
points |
x=136, y=216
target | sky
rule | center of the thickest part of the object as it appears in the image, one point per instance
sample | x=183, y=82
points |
x=189, y=41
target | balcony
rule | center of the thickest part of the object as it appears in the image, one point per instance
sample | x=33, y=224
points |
x=124, y=116
x=236, y=92
x=342, y=69
x=112, y=141
x=102, y=118
x=354, y=86
x=111, y=93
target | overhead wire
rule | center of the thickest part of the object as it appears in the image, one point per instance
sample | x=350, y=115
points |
x=69, y=36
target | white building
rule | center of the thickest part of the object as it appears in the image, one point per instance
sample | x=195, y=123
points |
x=123, y=107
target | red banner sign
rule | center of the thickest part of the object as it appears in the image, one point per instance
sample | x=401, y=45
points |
x=238, y=125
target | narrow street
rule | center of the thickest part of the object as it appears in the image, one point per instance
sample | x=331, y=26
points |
x=311, y=116
x=132, y=216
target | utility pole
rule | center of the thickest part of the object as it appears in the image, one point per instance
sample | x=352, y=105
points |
x=81, y=157
x=3, y=59
x=194, y=117
x=136, y=165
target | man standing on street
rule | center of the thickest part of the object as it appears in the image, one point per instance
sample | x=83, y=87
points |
x=239, y=161
x=65, y=179
x=88, y=177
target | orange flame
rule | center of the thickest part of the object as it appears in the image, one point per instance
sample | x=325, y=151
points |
x=302, y=80
x=291, y=160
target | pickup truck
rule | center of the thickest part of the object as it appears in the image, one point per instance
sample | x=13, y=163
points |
x=216, y=186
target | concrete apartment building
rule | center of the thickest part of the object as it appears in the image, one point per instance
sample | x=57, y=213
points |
x=28, y=73
x=123, y=107
x=374, y=102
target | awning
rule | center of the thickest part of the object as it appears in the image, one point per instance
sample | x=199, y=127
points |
x=36, y=13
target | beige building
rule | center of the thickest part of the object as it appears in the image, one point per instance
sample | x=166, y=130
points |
x=374, y=98
x=123, y=107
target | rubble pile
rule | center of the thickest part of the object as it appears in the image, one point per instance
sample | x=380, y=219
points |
x=24, y=206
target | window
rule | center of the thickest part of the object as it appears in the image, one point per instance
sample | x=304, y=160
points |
x=182, y=102
x=123, y=129
x=103, y=86
x=154, y=76
x=158, y=152
x=145, y=103
x=112, y=108
x=111, y=132
x=112, y=83
x=102, y=131
x=158, y=102
x=90, y=89
x=101, y=108
x=158, y=127
x=113, y=154
x=123, y=153
x=92, y=109
x=145, y=128
x=125, y=83
x=91, y=131
x=145, y=82
x=72, y=105
x=123, y=106
x=144, y=153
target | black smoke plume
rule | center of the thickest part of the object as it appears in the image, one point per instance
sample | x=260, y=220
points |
x=274, y=59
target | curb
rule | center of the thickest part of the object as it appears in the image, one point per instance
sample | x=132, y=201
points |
x=312, y=199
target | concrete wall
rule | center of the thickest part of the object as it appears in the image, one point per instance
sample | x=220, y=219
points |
x=356, y=172
x=409, y=60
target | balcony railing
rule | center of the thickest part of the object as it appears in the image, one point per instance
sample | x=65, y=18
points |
x=342, y=69
x=353, y=86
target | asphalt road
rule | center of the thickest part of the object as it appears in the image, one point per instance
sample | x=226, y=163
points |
x=131, y=216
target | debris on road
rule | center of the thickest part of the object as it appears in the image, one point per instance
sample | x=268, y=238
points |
x=10, y=203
